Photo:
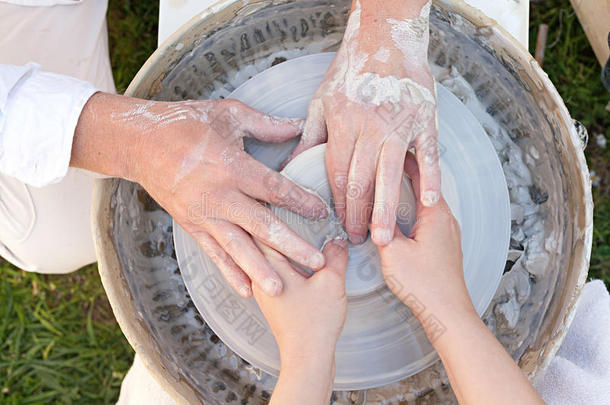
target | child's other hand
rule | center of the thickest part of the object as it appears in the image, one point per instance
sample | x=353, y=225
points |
x=308, y=316
x=425, y=269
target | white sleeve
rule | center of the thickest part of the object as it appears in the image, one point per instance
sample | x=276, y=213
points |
x=38, y=114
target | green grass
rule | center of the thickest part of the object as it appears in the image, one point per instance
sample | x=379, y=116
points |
x=132, y=32
x=59, y=341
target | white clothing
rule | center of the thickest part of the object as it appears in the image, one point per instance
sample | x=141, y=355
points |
x=38, y=114
x=46, y=227
x=580, y=372
x=43, y=3
x=140, y=387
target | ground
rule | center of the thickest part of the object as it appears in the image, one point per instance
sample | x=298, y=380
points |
x=59, y=342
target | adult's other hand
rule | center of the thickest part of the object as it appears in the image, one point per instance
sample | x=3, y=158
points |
x=375, y=102
x=189, y=156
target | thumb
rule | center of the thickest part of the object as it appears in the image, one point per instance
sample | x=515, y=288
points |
x=400, y=242
x=268, y=128
x=335, y=253
x=314, y=130
x=399, y=248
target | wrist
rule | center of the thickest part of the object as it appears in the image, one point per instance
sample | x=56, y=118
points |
x=295, y=352
x=307, y=365
x=400, y=28
x=100, y=143
x=440, y=320
x=449, y=331
x=376, y=12
x=319, y=360
x=305, y=379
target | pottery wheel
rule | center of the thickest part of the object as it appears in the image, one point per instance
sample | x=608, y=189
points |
x=381, y=342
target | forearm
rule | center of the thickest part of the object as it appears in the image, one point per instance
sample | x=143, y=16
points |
x=306, y=380
x=104, y=139
x=376, y=11
x=479, y=368
x=396, y=37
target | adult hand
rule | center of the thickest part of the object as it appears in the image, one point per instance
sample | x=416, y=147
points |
x=376, y=101
x=189, y=156
x=306, y=320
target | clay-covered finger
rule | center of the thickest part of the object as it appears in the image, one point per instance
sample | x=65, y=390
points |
x=387, y=189
x=412, y=170
x=234, y=275
x=426, y=152
x=240, y=246
x=265, y=127
x=361, y=188
x=265, y=184
x=261, y=223
x=282, y=265
x=339, y=150
x=314, y=129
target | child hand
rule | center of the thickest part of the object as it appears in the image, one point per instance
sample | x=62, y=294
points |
x=425, y=269
x=308, y=316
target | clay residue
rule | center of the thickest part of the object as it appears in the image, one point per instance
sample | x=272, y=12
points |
x=530, y=246
x=411, y=36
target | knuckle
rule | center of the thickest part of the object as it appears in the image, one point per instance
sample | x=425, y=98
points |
x=233, y=211
x=290, y=192
x=275, y=196
x=220, y=257
x=354, y=190
x=230, y=102
x=273, y=181
x=233, y=242
x=264, y=228
x=356, y=224
x=340, y=180
x=358, y=189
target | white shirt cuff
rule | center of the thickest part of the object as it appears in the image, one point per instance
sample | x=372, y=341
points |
x=39, y=112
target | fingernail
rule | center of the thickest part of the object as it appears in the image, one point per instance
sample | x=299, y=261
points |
x=271, y=287
x=317, y=261
x=325, y=211
x=357, y=239
x=429, y=198
x=320, y=211
x=301, y=126
x=245, y=291
x=382, y=236
x=342, y=243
